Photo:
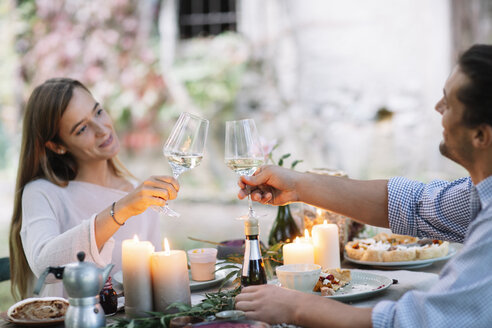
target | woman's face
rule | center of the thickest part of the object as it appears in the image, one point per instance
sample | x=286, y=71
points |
x=86, y=130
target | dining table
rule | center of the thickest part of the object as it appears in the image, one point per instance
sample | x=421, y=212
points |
x=403, y=279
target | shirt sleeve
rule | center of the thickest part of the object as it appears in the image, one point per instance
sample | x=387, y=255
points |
x=461, y=297
x=46, y=245
x=439, y=209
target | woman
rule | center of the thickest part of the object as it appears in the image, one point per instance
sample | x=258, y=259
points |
x=72, y=193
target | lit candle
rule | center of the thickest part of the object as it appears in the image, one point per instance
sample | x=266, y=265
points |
x=326, y=245
x=170, y=278
x=298, y=252
x=137, y=281
x=307, y=238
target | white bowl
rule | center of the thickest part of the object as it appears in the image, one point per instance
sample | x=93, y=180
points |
x=302, y=277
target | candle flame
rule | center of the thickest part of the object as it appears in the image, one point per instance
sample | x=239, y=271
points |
x=324, y=222
x=319, y=212
x=306, y=234
x=297, y=241
x=167, y=248
x=135, y=238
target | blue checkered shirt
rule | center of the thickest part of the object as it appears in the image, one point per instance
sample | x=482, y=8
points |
x=456, y=211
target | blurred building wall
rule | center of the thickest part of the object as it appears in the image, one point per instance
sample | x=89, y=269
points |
x=335, y=64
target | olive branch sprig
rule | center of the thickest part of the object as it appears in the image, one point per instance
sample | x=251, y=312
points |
x=280, y=162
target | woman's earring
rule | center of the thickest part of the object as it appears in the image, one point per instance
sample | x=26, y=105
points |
x=61, y=151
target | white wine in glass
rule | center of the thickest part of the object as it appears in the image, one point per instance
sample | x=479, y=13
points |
x=181, y=162
x=244, y=166
x=243, y=151
x=184, y=147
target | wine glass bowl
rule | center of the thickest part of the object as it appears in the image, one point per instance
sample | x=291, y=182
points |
x=243, y=151
x=185, y=146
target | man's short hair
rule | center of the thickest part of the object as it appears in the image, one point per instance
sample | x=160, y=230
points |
x=476, y=95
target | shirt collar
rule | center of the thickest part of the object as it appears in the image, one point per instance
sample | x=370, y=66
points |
x=484, y=189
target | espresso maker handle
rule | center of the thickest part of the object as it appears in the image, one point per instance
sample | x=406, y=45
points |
x=56, y=271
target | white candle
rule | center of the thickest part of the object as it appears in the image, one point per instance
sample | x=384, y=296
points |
x=298, y=252
x=170, y=279
x=326, y=245
x=137, y=281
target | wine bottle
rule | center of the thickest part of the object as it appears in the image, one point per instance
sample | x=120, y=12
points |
x=253, y=272
x=284, y=227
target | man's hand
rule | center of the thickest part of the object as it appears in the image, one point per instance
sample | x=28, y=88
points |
x=271, y=185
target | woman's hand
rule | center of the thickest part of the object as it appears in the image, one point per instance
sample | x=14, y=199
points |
x=155, y=191
x=271, y=185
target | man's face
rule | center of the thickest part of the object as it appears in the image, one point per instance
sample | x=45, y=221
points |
x=457, y=137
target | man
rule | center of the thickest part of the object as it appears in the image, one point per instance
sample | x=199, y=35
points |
x=458, y=211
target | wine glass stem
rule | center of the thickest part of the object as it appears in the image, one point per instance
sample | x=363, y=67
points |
x=250, y=203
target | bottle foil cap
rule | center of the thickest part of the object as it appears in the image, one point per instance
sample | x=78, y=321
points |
x=251, y=227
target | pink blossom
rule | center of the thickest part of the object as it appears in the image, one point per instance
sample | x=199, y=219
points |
x=267, y=146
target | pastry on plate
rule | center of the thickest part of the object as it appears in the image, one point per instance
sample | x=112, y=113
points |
x=395, y=248
x=38, y=309
x=331, y=280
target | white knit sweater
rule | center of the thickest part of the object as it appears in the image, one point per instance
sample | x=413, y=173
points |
x=58, y=222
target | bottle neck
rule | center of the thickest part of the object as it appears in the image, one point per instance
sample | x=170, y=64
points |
x=252, y=248
x=283, y=213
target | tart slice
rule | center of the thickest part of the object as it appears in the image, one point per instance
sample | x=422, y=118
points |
x=331, y=280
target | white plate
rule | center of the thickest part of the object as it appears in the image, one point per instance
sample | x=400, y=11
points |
x=194, y=285
x=403, y=265
x=363, y=285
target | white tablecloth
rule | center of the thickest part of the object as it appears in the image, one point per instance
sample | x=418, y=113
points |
x=407, y=280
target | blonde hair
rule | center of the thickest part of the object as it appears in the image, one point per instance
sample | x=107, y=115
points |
x=41, y=124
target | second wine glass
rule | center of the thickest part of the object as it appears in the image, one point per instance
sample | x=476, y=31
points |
x=184, y=147
x=243, y=151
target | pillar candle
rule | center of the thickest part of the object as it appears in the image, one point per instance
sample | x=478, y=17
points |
x=137, y=280
x=170, y=279
x=298, y=252
x=326, y=245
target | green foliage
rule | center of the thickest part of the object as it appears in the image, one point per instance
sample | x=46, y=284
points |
x=213, y=303
x=282, y=158
x=213, y=81
x=272, y=257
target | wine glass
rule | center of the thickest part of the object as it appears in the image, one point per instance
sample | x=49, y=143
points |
x=243, y=152
x=184, y=148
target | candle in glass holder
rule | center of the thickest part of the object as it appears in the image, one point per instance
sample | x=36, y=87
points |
x=137, y=280
x=202, y=263
x=326, y=245
x=170, y=279
x=298, y=252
